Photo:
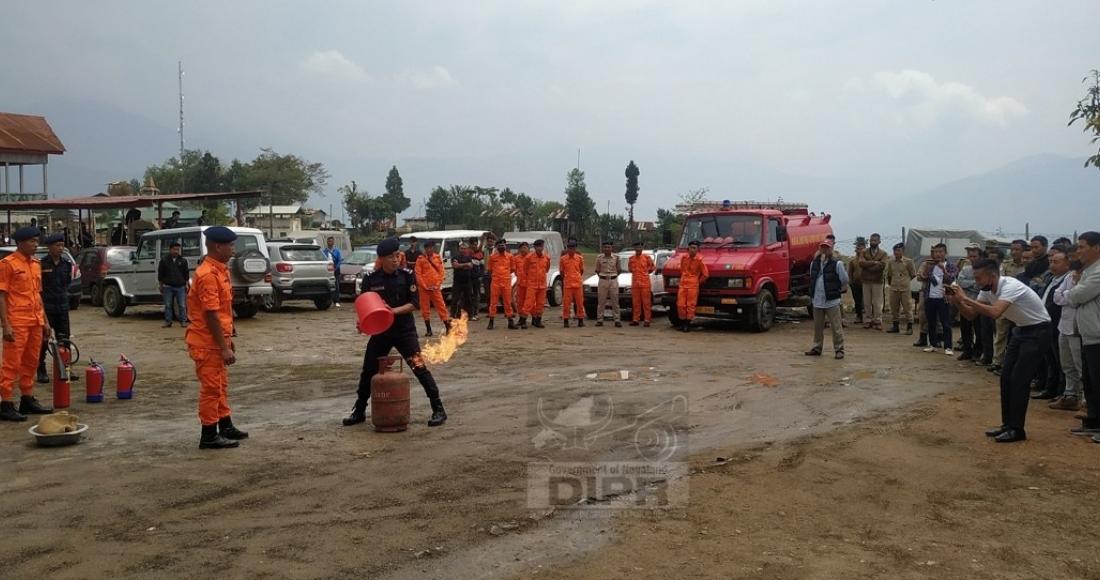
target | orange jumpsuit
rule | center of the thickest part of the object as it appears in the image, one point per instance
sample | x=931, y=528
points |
x=501, y=266
x=429, y=277
x=693, y=272
x=572, y=271
x=537, y=267
x=211, y=291
x=641, y=291
x=402, y=262
x=21, y=281
x=520, y=263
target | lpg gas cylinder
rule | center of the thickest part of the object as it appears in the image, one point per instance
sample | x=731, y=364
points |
x=389, y=396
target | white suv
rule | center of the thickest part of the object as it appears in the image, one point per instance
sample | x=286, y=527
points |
x=136, y=283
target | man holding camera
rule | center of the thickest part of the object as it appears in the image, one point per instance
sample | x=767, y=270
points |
x=1011, y=299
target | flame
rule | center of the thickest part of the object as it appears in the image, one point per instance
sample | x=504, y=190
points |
x=441, y=351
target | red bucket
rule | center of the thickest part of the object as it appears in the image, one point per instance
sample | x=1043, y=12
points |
x=375, y=316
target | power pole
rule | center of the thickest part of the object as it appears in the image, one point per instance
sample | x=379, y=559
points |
x=183, y=175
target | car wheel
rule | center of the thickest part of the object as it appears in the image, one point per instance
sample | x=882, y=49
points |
x=250, y=277
x=763, y=313
x=674, y=315
x=97, y=295
x=590, y=310
x=271, y=302
x=245, y=310
x=323, y=303
x=556, y=294
x=114, y=304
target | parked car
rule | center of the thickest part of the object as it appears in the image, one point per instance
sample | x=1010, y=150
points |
x=94, y=263
x=354, y=268
x=626, y=279
x=553, y=248
x=136, y=282
x=74, y=285
x=299, y=272
x=340, y=239
x=446, y=245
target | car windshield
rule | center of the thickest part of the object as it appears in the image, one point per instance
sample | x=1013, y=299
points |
x=311, y=254
x=360, y=257
x=718, y=230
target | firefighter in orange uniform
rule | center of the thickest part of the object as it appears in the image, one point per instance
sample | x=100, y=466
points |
x=537, y=267
x=429, y=273
x=641, y=290
x=209, y=339
x=520, y=262
x=693, y=272
x=25, y=326
x=571, y=266
x=501, y=264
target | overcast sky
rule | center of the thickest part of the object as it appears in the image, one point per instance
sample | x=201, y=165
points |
x=915, y=92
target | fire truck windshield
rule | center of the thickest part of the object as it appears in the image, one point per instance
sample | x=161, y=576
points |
x=723, y=230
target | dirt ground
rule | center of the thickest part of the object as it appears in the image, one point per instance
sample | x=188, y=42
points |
x=873, y=466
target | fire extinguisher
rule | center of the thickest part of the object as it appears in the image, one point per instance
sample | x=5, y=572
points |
x=94, y=377
x=61, y=392
x=70, y=355
x=125, y=377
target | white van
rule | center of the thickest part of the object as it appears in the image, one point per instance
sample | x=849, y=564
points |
x=446, y=245
x=136, y=282
x=553, y=248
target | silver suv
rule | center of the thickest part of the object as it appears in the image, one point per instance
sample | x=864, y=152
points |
x=300, y=272
x=135, y=282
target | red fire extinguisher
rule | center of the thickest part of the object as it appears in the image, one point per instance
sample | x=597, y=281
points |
x=61, y=392
x=94, y=377
x=125, y=377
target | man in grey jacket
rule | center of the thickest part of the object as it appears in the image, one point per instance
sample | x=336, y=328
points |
x=1085, y=295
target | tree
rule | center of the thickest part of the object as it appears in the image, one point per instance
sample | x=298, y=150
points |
x=1088, y=111
x=694, y=197
x=288, y=178
x=611, y=227
x=581, y=207
x=362, y=209
x=632, y=174
x=439, y=207
x=395, y=193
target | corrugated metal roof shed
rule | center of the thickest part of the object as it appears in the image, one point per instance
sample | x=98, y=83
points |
x=28, y=134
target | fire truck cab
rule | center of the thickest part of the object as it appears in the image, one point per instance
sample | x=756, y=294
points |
x=757, y=254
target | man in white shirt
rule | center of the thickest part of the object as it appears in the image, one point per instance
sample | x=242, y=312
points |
x=1008, y=298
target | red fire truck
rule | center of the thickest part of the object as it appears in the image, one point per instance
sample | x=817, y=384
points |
x=758, y=255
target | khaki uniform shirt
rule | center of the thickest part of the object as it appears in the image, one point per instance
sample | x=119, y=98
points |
x=899, y=273
x=607, y=266
x=1012, y=269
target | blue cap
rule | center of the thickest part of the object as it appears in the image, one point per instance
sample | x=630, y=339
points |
x=25, y=233
x=387, y=247
x=220, y=235
x=571, y=243
x=53, y=239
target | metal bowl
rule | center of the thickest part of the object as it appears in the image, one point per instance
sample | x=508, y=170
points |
x=58, y=439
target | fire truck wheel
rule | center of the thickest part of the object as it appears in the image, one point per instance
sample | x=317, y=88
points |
x=674, y=316
x=763, y=313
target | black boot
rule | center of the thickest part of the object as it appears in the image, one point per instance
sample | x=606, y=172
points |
x=512, y=324
x=565, y=323
x=43, y=377
x=523, y=322
x=922, y=341
x=895, y=328
x=446, y=327
x=8, y=412
x=537, y=322
x=491, y=325
x=685, y=327
x=439, y=416
x=227, y=430
x=358, y=415
x=427, y=329
x=909, y=329
x=580, y=323
x=28, y=405
x=212, y=440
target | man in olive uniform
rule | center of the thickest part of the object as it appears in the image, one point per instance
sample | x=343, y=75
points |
x=398, y=288
x=900, y=271
x=57, y=273
x=855, y=273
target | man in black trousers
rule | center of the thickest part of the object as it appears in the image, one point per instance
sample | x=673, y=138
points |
x=1011, y=299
